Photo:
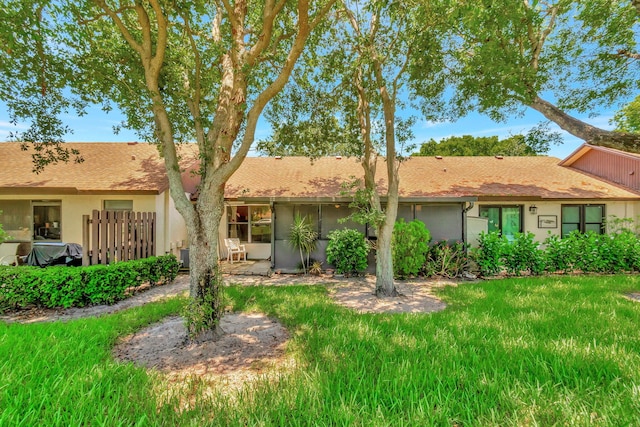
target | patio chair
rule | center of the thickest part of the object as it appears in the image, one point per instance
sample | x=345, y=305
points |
x=9, y=253
x=234, y=247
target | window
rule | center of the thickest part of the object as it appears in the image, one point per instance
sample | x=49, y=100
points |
x=16, y=219
x=118, y=205
x=505, y=219
x=46, y=221
x=250, y=224
x=582, y=218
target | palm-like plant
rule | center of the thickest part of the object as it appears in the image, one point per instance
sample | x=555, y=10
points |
x=304, y=237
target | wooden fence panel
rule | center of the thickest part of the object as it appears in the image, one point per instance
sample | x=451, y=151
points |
x=110, y=236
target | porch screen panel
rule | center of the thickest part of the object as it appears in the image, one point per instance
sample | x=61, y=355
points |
x=444, y=222
x=238, y=222
x=405, y=212
x=330, y=216
x=16, y=219
x=260, y=224
x=285, y=215
x=310, y=212
x=284, y=220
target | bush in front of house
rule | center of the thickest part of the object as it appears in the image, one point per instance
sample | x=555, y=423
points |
x=594, y=253
x=409, y=246
x=446, y=260
x=522, y=255
x=575, y=253
x=489, y=255
x=66, y=287
x=347, y=250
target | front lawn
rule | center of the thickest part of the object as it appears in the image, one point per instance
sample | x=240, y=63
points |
x=538, y=351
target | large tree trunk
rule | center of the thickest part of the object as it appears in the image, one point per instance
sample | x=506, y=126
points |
x=591, y=134
x=205, y=279
x=385, y=285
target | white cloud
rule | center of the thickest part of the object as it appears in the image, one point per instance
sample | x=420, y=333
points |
x=428, y=124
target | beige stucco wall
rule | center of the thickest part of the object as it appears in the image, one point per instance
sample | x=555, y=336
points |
x=622, y=209
x=73, y=207
x=176, y=230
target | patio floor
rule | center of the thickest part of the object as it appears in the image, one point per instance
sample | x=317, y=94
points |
x=261, y=267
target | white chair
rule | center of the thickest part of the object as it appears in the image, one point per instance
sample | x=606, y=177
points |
x=9, y=253
x=234, y=247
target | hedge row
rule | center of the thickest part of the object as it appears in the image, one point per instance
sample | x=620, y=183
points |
x=576, y=253
x=61, y=286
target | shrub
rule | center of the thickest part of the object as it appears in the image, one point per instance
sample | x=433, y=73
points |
x=489, y=255
x=446, y=260
x=555, y=255
x=347, y=250
x=61, y=286
x=522, y=255
x=409, y=246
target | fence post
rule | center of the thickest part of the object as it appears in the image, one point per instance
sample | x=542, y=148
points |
x=95, y=238
x=86, y=229
x=119, y=220
x=104, y=227
x=152, y=238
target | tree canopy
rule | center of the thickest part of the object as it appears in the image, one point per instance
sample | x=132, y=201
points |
x=627, y=119
x=194, y=70
x=580, y=54
x=535, y=142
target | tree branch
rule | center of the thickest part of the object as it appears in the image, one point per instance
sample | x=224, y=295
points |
x=585, y=131
x=272, y=90
x=269, y=14
x=123, y=29
x=161, y=44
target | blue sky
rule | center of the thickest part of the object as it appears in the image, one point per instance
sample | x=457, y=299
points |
x=97, y=126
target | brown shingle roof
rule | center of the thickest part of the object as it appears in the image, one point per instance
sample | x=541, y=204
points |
x=107, y=168
x=138, y=169
x=423, y=177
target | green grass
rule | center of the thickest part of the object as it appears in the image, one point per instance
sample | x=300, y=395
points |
x=538, y=351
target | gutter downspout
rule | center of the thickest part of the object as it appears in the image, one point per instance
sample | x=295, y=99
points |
x=464, y=220
x=273, y=235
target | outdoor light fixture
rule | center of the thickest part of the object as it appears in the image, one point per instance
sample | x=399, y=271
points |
x=533, y=209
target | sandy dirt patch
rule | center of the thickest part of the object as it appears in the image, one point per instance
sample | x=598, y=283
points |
x=415, y=297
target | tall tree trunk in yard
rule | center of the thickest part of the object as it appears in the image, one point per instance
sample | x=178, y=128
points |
x=387, y=88
x=385, y=285
x=205, y=280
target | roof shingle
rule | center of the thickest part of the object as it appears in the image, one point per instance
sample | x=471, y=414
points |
x=107, y=168
x=423, y=177
x=138, y=169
